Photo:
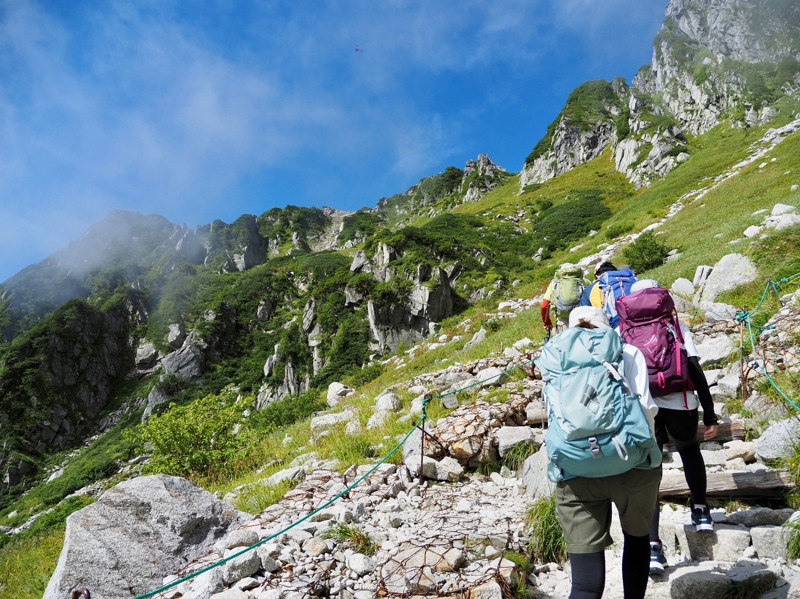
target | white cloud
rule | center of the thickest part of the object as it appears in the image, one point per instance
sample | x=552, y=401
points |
x=167, y=106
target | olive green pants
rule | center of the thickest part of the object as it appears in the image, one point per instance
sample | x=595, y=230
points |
x=583, y=507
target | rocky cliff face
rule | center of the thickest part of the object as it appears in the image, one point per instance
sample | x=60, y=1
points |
x=60, y=401
x=404, y=319
x=480, y=177
x=695, y=56
x=712, y=60
x=585, y=127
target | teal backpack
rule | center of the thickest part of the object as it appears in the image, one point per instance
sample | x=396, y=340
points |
x=596, y=426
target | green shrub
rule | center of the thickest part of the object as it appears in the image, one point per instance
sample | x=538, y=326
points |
x=288, y=411
x=559, y=226
x=492, y=325
x=546, y=541
x=646, y=253
x=194, y=438
x=363, y=223
x=364, y=375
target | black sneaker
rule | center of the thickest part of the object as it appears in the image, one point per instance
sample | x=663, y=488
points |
x=701, y=518
x=657, y=559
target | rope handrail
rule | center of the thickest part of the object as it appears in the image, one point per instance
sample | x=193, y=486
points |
x=280, y=532
x=426, y=401
x=745, y=317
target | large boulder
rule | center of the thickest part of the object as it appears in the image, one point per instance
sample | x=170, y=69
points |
x=729, y=273
x=136, y=534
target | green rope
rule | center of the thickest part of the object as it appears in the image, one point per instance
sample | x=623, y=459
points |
x=301, y=520
x=425, y=402
x=763, y=371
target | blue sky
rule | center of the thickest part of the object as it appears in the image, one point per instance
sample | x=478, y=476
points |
x=202, y=110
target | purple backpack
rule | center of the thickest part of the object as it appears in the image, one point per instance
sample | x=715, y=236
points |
x=649, y=321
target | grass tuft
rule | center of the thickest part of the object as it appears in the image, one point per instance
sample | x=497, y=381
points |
x=358, y=540
x=546, y=541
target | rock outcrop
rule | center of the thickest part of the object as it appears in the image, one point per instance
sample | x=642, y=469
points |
x=480, y=177
x=136, y=534
x=694, y=68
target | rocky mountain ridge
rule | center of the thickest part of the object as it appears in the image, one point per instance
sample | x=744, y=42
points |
x=712, y=60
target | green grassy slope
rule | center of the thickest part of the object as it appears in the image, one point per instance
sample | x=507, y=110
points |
x=702, y=231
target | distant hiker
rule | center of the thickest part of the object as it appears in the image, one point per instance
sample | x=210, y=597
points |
x=610, y=285
x=648, y=319
x=602, y=450
x=561, y=296
x=601, y=267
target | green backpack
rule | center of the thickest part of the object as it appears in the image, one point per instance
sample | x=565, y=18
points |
x=596, y=427
x=567, y=290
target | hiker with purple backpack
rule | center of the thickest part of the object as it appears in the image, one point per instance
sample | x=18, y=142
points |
x=649, y=321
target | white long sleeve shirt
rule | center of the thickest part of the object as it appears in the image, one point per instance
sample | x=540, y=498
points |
x=635, y=367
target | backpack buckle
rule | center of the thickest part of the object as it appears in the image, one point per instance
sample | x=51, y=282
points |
x=594, y=447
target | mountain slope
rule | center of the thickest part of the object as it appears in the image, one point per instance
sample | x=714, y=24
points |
x=280, y=305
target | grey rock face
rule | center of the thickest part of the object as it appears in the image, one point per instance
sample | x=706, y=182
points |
x=747, y=31
x=186, y=363
x=480, y=176
x=176, y=335
x=393, y=324
x=778, y=440
x=730, y=272
x=146, y=356
x=136, y=534
x=570, y=146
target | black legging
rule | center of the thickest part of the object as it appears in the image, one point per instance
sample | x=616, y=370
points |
x=682, y=425
x=589, y=570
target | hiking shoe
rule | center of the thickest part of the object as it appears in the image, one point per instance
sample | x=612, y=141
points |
x=701, y=518
x=657, y=559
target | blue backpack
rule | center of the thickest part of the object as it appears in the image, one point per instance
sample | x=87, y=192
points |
x=596, y=427
x=615, y=284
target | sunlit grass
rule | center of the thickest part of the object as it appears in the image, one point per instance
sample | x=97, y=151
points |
x=26, y=564
x=546, y=541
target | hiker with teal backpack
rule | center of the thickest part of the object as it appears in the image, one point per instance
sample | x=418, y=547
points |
x=601, y=449
x=649, y=320
x=561, y=296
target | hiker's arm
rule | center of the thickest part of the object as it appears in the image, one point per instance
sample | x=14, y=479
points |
x=548, y=324
x=703, y=393
x=636, y=377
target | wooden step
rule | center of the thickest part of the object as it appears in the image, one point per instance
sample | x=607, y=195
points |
x=726, y=431
x=766, y=483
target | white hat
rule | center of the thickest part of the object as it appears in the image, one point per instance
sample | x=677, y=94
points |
x=590, y=314
x=644, y=284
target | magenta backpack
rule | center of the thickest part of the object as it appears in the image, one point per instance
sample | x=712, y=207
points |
x=649, y=321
